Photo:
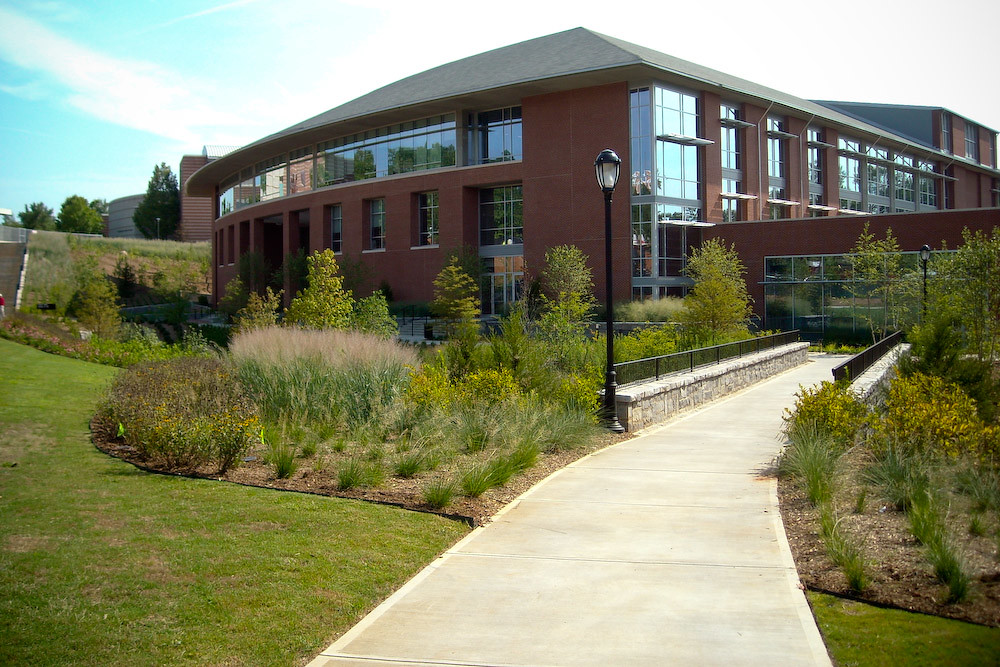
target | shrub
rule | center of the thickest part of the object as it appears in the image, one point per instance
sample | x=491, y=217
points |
x=490, y=385
x=650, y=310
x=830, y=407
x=183, y=413
x=647, y=342
x=282, y=457
x=371, y=315
x=357, y=472
x=925, y=413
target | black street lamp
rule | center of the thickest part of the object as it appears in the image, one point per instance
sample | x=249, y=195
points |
x=925, y=254
x=608, y=165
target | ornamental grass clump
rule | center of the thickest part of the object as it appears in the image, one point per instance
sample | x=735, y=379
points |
x=321, y=377
x=844, y=550
x=183, y=413
x=811, y=459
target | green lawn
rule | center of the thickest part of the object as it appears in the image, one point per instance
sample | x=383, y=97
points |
x=860, y=634
x=101, y=563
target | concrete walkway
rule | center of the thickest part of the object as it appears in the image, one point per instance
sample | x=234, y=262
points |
x=665, y=549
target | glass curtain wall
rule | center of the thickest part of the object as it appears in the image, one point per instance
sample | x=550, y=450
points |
x=665, y=187
x=501, y=247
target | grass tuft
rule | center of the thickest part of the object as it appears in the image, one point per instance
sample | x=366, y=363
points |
x=438, y=493
x=811, y=459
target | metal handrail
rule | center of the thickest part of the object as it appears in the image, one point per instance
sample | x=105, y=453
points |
x=862, y=361
x=680, y=362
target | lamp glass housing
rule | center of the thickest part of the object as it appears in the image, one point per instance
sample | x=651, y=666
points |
x=925, y=253
x=608, y=166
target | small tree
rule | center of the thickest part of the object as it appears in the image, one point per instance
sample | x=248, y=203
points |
x=95, y=303
x=970, y=287
x=718, y=305
x=236, y=297
x=877, y=281
x=371, y=315
x=158, y=214
x=567, y=284
x=455, y=296
x=37, y=216
x=254, y=271
x=76, y=216
x=323, y=304
x=260, y=312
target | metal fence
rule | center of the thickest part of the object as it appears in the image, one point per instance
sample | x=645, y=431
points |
x=859, y=363
x=679, y=362
x=13, y=234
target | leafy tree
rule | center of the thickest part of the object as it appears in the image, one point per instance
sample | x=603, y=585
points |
x=371, y=315
x=95, y=303
x=159, y=213
x=37, y=216
x=718, y=305
x=76, y=216
x=236, y=297
x=99, y=205
x=968, y=285
x=260, y=311
x=567, y=284
x=455, y=296
x=878, y=281
x=253, y=269
x=324, y=303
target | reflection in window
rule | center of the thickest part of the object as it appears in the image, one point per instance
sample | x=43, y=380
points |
x=428, y=143
x=730, y=143
x=501, y=216
x=376, y=224
x=300, y=171
x=502, y=283
x=427, y=210
x=336, y=228
x=776, y=147
x=497, y=135
x=946, y=142
x=642, y=240
x=269, y=179
x=676, y=113
x=928, y=191
x=642, y=156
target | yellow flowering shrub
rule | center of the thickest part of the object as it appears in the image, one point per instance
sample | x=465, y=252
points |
x=926, y=413
x=183, y=413
x=431, y=387
x=833, y=408
x=580, y=392
x=490, y=384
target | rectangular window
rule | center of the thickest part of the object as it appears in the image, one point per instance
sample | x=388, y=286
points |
x=946, y=142
x=376, y=224
x=498, y=135
x=501, y=216
x=676, y=122
x=730, y=144
x=427, y=212
x=642, y=240
x=336, y=228
x=642, y=141
x=971, y=141
x=300, y=171
x=777, y=147
x=850, y=173
x=816, y=165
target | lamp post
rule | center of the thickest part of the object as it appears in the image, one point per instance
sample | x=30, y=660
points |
x=925, y=254
x=157, y=227
x=608, y=165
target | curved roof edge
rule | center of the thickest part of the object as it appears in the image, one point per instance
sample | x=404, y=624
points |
x=576, y=57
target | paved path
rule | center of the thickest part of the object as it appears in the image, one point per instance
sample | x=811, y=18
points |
x=665, y=549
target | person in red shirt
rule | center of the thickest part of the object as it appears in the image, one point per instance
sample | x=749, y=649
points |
x=2, y=313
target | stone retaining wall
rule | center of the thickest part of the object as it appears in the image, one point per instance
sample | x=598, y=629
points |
x=871, y=385
x=647, y=403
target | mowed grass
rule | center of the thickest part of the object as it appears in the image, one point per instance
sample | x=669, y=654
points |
x=861, y=634
x=101, y=563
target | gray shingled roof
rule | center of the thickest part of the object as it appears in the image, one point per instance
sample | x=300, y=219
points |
x=531, y=67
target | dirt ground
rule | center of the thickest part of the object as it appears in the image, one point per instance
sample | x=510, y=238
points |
x=900, y=574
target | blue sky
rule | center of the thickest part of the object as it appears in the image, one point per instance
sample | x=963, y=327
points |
x=94, y=94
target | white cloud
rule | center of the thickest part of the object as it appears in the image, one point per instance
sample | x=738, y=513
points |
x=131, y=93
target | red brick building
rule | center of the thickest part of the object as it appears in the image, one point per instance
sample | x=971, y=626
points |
x=496, y=152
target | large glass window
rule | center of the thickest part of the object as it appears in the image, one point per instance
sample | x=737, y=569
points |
x=675, y=116
x=227, y=195
x=269, y=178
x=642, y=141
x=776, y=147
x=427, y=210
x=642, y=240
x=501, y=216
x=495, y=136
x=427, y=143
x=300, y=171
x=816, y=153
x=336, y=228
x=376, y=224
x=971, y=141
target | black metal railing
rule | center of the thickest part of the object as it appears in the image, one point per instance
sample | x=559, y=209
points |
x=679, y=362
x=862, y=361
